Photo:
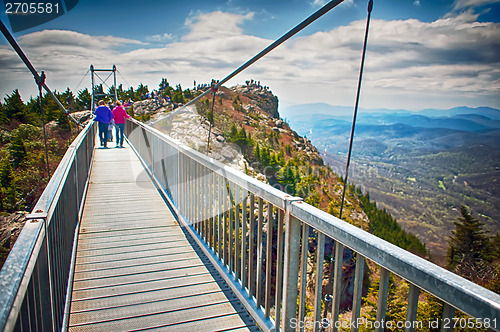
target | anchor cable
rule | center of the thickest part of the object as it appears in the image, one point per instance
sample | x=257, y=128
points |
x=323, y=10
x=32, y=69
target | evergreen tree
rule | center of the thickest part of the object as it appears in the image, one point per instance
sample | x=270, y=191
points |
x=8, y=184
x=468, y=242
x=83, y=100
x=141, y=90
x=257, y=152
x=14, y=109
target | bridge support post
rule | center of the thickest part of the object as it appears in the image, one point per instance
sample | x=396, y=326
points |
x=291, y=269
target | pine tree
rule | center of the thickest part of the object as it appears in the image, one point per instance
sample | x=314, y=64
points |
x=468, y=242
x=14, y=109
x=84, y=100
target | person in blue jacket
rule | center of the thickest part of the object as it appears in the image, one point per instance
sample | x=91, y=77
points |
x=103, y=116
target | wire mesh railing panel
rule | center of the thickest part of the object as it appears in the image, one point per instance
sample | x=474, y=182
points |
x=272, y=247
x=36, y=275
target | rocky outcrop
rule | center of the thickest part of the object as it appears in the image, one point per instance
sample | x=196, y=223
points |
x=10, y=227
x=262, y=97
x=149, y=106
x=192, y=130
x=82, y=117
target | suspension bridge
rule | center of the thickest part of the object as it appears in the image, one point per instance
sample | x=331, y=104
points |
x=157, y=236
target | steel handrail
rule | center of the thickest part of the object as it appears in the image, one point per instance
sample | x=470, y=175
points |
x=454, y=290
x=458, y=292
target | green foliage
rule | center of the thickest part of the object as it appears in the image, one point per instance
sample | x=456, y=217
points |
x=178, y=96
x=22, y=164
x=237, y=104
x=14, y=109
x=84, y=100
x=141, y=90
x=9, y=193
x=396, y=305
x=468, y=242
x=472, y=254
x=240, y=137
x=430, y=308
x=383, y=225
x=3, y=256
x=188, y=94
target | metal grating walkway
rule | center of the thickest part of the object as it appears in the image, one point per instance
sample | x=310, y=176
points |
x=136, y=269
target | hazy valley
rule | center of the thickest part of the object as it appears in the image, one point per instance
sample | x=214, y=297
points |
x=420, y=166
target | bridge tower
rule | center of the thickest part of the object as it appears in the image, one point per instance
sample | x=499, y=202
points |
x=97, y=96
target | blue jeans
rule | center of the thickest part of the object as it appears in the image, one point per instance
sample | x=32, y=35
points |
x=120, y=128
x=103, y=133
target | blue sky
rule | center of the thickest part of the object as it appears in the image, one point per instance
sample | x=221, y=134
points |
x=421, y=53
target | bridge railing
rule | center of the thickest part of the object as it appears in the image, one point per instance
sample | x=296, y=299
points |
x=36, y=276
x=258, y=237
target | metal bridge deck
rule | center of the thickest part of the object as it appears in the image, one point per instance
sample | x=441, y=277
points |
x=136, y=268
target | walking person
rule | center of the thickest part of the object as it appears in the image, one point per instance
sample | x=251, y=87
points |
x=119, y=115
x=111, y=124
x=103, y=116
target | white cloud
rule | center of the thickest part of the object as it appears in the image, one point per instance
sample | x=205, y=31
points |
x=462, y=4
x=215, y=25
x=161, y=38
x=321, y=3
x=413, y=64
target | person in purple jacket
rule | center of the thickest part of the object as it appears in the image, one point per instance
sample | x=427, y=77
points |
x=103, y=116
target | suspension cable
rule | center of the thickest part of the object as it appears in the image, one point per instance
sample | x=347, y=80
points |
x=330, y=278
x=88, y=70
x=104, y=81
x=40, y=83
x=32, y=69
x=323, y=10
x=128, y=84
x=211, y=115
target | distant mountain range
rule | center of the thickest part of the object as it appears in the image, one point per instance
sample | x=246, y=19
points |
x=419, y=165
x=429, y=129
x=327, y=109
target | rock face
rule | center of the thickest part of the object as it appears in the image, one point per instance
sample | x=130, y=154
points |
x=149, y=106
x=261, y=96
x=10, y=227
x=82, y=117
x=192, y=130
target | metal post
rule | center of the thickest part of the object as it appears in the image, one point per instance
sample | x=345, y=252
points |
x=303, y=273
x=320, y=253
x=116, y=88
x=448, y=314
x=279, y=269
x=269, y=260
x=92, y=107
x=291, y=268
x=259, y=285
x=358, y=290
x=411, y=312
x=383, y=292
x=50, y=276
x=337, y=283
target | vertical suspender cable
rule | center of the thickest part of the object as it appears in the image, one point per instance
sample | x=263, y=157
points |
x=370, y=7
x=211, y=115
x=40, y=83
x=330, y=278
